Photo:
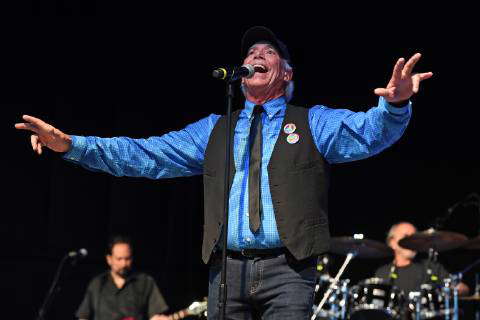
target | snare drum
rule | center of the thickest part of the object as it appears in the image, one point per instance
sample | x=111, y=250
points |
x=432, y=302
x=375, y=299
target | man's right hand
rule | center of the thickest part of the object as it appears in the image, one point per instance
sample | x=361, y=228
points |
x=45, y=135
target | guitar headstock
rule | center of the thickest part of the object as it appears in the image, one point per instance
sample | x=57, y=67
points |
x=197, y=308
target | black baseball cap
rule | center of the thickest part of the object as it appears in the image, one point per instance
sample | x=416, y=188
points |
x=263, y=34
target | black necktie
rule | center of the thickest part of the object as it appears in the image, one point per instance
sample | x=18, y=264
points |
x=254, y=200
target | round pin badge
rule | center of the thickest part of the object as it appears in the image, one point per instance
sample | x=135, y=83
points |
x=293, y=138
x=289, y=128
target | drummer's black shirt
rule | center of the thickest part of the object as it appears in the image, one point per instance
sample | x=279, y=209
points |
x=411, y=277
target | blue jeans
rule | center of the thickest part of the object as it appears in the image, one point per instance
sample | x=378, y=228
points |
x=274, y=288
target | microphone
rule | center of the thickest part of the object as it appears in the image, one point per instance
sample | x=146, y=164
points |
x=81, y=253
x=245, y=71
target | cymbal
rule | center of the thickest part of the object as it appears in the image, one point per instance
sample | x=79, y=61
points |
x=433, y=239
x=364, y=248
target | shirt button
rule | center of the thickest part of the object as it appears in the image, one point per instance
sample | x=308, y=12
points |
x=248, y=239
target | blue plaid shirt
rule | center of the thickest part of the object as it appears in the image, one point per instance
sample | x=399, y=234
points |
x=339, y=134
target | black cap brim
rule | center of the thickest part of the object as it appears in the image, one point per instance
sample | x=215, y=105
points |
x=263, y=34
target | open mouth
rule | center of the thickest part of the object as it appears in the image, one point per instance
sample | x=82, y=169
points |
x=260, y=68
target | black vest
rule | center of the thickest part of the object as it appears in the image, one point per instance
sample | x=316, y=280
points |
x=298, y=177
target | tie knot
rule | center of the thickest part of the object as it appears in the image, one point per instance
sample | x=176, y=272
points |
x=258, y=109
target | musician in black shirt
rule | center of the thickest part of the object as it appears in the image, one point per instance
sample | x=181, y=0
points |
x=404, y=271
x=120, y=294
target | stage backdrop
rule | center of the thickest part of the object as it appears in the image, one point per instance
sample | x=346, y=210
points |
x=137, y=75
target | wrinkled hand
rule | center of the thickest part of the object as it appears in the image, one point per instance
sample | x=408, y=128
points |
x=45, y=135
x=403, y=84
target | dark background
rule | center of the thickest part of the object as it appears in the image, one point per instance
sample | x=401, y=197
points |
x=106, y=69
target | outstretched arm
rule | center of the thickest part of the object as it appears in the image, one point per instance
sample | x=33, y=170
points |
x=178, y=153
x=342, y=135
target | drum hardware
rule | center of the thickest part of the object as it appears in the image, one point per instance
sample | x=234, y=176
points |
x=375, y=298
x=338, y=302
x=434, y=301
x=446, y=290
x=344, y=301
x=333, y=284
x=415, y=296
x=351, y=247
x=456, y=278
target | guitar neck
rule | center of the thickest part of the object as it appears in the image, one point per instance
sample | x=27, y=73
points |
x=179, y=314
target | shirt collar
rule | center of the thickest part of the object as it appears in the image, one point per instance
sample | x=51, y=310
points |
x=271, y=107
x=131, y=277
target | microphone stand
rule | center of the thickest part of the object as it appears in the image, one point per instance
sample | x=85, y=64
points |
x=472, y=199
x=54, y=289
x=222, y=296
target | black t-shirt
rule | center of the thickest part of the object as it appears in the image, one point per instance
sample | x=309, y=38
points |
x=411, y=277
x=139, y=298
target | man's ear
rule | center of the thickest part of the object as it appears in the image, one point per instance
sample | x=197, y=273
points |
x=288, y=75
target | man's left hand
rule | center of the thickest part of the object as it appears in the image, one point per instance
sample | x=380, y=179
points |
x=403, y=84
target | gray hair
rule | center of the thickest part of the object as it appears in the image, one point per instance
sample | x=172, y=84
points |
x=288, y=88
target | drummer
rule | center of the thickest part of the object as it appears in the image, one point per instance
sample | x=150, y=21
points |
x=405, y=271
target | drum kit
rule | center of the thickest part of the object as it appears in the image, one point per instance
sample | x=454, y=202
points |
x=377, y=298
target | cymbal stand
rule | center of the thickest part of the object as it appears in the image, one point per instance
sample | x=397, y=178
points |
x=446, y=289
x=432, y=258
x=333, y=284
x=417, y=299
x=344, y=301
x=473, y=199
x=451, y=285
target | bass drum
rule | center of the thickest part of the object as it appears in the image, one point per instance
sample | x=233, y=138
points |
x=375, y=299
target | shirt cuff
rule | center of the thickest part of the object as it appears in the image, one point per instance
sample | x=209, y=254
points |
x=394, y=110
x=77, y=149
